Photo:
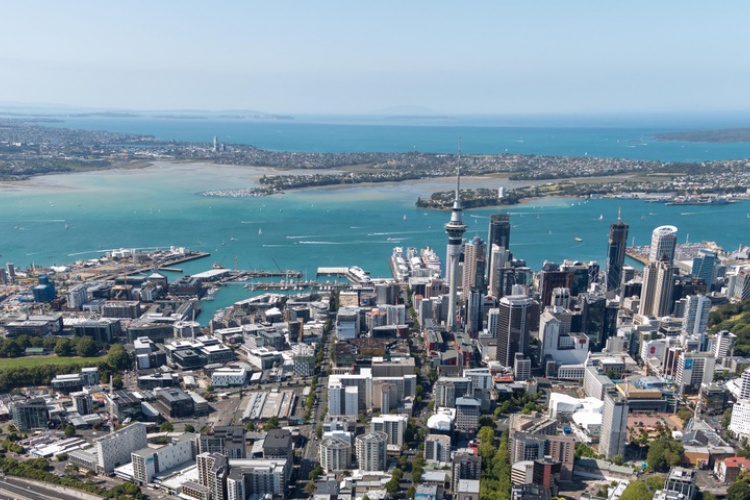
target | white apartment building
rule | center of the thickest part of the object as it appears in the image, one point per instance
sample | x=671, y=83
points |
x=114, y=450
x=335, y=454
x=437, y=448
x=694, y=369
x=371, y=451
x=393, y=425
x=740, y=423
x=614, y=425
x=229, y=377
x=149, y=461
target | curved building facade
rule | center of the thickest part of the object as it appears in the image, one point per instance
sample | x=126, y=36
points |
x=335, y=454
x=663, y=242
x=371, y=451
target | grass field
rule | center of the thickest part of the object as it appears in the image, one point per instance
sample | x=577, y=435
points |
x=31, y=361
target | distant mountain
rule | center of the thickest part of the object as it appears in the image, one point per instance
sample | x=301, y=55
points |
x=18, y=109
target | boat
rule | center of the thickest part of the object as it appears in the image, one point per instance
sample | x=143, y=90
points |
x=260, y=232
x=66, y=225
x=404, y=216
x=578, y=239
x=601, y=216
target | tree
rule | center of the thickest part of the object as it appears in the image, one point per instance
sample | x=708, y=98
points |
x=485, y=421
x=726, y=419
x=639, y=490
x=86, y=347
x=273, y=423
x=117, y=358
x=319, y=431
x=705, y=495
x=69, y=431
x=740, y=489
x=411, y=491
x=64, y=347
x=618, y=460
x=584, y=451
x=166, y=426
x=310, y=488
x=318, y=470
x=392, y=486
x=189, y=428
x=664, y=452
x=117, y=382
x=685, y=414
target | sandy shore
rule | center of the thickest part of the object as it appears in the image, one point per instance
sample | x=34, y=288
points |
x=249, y=176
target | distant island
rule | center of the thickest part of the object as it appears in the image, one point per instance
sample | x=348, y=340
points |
x=722, y=135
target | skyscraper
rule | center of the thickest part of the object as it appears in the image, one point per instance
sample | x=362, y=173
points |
x=614, y=425
x=474, y=265
x=663, y=242
x=513, y=327
x=658, y=283
x=618, y=238
x=499, y=234
x=697, y=310
x=455, y=228
x=703, y=266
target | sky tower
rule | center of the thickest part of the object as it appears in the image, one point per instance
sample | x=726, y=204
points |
x=455, y=228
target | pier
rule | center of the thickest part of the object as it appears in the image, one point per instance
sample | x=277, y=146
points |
x=124, y=269
x=637, y=255
x=354, y=274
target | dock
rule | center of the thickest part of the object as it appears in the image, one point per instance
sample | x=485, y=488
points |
x=636, y=255
x=354, y=274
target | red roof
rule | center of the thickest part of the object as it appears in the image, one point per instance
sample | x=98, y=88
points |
x=737, y=462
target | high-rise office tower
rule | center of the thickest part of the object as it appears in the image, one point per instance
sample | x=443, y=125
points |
x=514, y=320
x=663, y=242
x=501, y=276
x=499, y=231
x=499, y=234
x=474, y=265
x=551, y=277
x=658, y=284
x=474, y=309
x=618, y=238
x=614, y=425
x=599, y=320
x=455, y=228
x=703, y=266
x=693, y=369
x=697, y=309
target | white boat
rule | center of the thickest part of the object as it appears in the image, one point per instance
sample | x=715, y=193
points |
x=601, y=217
x=260, y=232
x=578, y=239
x=404, y=216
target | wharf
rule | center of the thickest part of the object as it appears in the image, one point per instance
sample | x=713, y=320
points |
x=636, y=255
x=301, y=285
x=354, y=274
x=129, y=270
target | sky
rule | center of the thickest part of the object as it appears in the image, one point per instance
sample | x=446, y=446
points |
x=356, y=57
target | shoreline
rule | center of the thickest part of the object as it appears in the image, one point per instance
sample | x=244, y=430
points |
x=247, y=177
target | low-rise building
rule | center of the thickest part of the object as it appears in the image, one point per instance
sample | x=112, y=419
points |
x=229, y=377
x=149, y=461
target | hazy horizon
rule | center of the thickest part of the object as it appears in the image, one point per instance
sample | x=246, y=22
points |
x=344, y=58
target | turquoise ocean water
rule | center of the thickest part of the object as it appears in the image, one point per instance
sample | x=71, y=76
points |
x=161, y=206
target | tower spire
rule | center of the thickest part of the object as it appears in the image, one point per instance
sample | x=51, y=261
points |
x=619, y=214
x=455, y=228
x=458, y=174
